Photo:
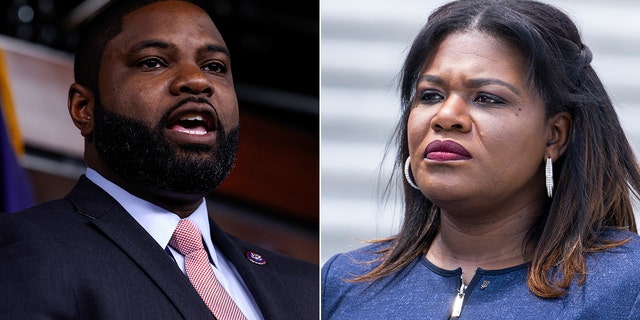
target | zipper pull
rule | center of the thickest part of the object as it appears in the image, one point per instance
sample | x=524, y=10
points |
x=457, y=301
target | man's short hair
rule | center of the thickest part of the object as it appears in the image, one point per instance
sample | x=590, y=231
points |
x=94, y=35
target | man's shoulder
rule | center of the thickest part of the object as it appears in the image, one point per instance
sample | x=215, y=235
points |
x=37, y=215
x=288, y=285
x=260, y=255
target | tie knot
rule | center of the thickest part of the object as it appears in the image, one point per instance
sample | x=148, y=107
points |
x=186, y=238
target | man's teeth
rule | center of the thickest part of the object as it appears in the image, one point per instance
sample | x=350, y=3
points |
x=192, y=118
x=193, y=123
x=192, y=131
x=197, y=132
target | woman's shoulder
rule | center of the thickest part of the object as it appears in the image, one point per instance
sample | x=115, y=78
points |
x=353, y=263
x=630, y=241
x=622, y=259
x=339, y=271
x=343, y=267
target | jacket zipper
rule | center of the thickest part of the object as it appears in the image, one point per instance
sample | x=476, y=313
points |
x=458, y=300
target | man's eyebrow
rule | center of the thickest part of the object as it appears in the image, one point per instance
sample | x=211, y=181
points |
x=159, y=44
x=215, y=48
x=150, y=44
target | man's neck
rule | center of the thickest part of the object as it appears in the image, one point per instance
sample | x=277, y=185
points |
x=179, y=203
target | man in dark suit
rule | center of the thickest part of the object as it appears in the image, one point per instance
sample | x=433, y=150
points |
x=155, y=102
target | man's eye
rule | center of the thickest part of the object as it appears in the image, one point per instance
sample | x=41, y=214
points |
x=215, y=67
x=152, y=63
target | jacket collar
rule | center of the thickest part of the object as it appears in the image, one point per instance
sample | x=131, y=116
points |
x=116, y=224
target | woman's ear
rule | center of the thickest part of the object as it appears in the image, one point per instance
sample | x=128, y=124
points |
x=81, y=103
x=558, y=132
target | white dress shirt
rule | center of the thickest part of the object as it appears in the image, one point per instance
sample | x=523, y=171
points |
x=160, y=224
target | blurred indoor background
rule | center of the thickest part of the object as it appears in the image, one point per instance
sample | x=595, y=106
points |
x=363, y=45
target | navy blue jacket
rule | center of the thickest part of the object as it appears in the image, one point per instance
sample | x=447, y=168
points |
x=85, y=257
x=424, y=291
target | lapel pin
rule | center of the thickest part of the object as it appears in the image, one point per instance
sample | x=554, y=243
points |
x=255, y=258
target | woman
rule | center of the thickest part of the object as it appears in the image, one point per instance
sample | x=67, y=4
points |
x=518, y=180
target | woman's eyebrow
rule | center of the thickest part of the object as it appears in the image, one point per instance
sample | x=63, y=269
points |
x=473, y=83
x=479, y=82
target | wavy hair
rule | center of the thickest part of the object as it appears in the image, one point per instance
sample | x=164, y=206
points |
x=596, y=176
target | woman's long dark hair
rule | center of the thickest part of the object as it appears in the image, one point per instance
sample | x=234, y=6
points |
x=595, y=178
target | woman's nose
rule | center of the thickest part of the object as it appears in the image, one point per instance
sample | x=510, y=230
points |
x=453, y=114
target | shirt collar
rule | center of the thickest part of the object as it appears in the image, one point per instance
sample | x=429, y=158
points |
x=158, y=222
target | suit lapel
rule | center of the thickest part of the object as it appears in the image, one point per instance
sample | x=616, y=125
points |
x=108, y=216
x=263, y=281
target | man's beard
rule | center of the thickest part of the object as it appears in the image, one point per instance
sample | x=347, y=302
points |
x=144, y=156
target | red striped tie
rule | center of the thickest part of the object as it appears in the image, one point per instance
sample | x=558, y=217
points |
x=188, y=241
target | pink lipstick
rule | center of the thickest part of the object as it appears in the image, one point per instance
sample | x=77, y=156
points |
x=447, y=150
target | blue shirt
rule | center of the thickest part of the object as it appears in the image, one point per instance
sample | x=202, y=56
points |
x=424, y=291
x=160, y=224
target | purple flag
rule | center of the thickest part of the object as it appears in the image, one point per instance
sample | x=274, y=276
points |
x=16, y=192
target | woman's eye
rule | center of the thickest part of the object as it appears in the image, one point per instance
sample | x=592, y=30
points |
x=152, y=63
x=489, y=99
x=215, y=67
x=431, y=96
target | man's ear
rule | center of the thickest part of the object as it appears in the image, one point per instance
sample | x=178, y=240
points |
x=81, y=104
x=558, y=132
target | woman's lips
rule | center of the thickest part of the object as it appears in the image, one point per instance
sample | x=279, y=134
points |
x=446, y=150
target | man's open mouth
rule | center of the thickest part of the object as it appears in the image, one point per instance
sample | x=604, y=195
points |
x=193, y=119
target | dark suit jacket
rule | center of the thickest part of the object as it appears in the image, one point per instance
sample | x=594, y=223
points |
x=85, y=257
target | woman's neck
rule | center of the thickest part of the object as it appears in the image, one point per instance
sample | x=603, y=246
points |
x=489, y=242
